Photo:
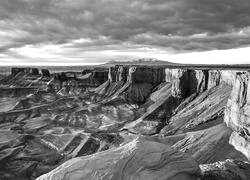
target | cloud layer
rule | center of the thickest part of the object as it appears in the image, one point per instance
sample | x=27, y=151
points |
x=99, y=30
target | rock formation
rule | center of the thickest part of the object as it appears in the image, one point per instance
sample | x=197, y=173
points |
x=100, y=76
x=31, y=71
x=237, y=113
x=34, y=71
x=139, y=159
x=125, y=122
x=225, y=170
x=45, y=73
x=134, y=83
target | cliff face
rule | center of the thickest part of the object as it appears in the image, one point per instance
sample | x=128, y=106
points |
x=137, y=74
x=237, y=115
x=45, y=72
x=188, y=81
x=100, y=76
x=181, y=102
x=184, y=81
x=133, y=83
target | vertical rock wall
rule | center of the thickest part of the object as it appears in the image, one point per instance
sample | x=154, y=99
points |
x=140, y=80
x=214, y=78
x=188, y=81
x=237, y=115
x=137, y=74
x=45, y=73
x=135, y=83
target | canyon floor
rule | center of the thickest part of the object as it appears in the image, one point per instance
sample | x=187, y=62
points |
x=126, y=122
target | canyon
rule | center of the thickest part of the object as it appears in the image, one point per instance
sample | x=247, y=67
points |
x=164, y=122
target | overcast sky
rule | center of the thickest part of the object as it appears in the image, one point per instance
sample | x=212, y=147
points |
x=50, y=32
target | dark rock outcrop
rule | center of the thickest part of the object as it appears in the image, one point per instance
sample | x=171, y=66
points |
x=150, y=75
x=133, y=83
x=100, y=76
x=34, y=71
x=16, y=91
x=45, y=73
x=30, y=71
x=139, y=74
x=61, y=77
x=87, y=71
x=15, y=71
x=122, y=81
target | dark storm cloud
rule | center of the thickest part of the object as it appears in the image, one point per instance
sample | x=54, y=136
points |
x=180, y=25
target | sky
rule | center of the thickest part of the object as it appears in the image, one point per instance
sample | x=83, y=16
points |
x=75, y=32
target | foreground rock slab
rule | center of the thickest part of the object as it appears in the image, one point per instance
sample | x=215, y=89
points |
x=140, y=159
x=226, y=170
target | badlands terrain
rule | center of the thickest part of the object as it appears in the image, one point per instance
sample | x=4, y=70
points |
x=126, y=122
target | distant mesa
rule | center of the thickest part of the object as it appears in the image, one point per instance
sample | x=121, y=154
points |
x=144, y=61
